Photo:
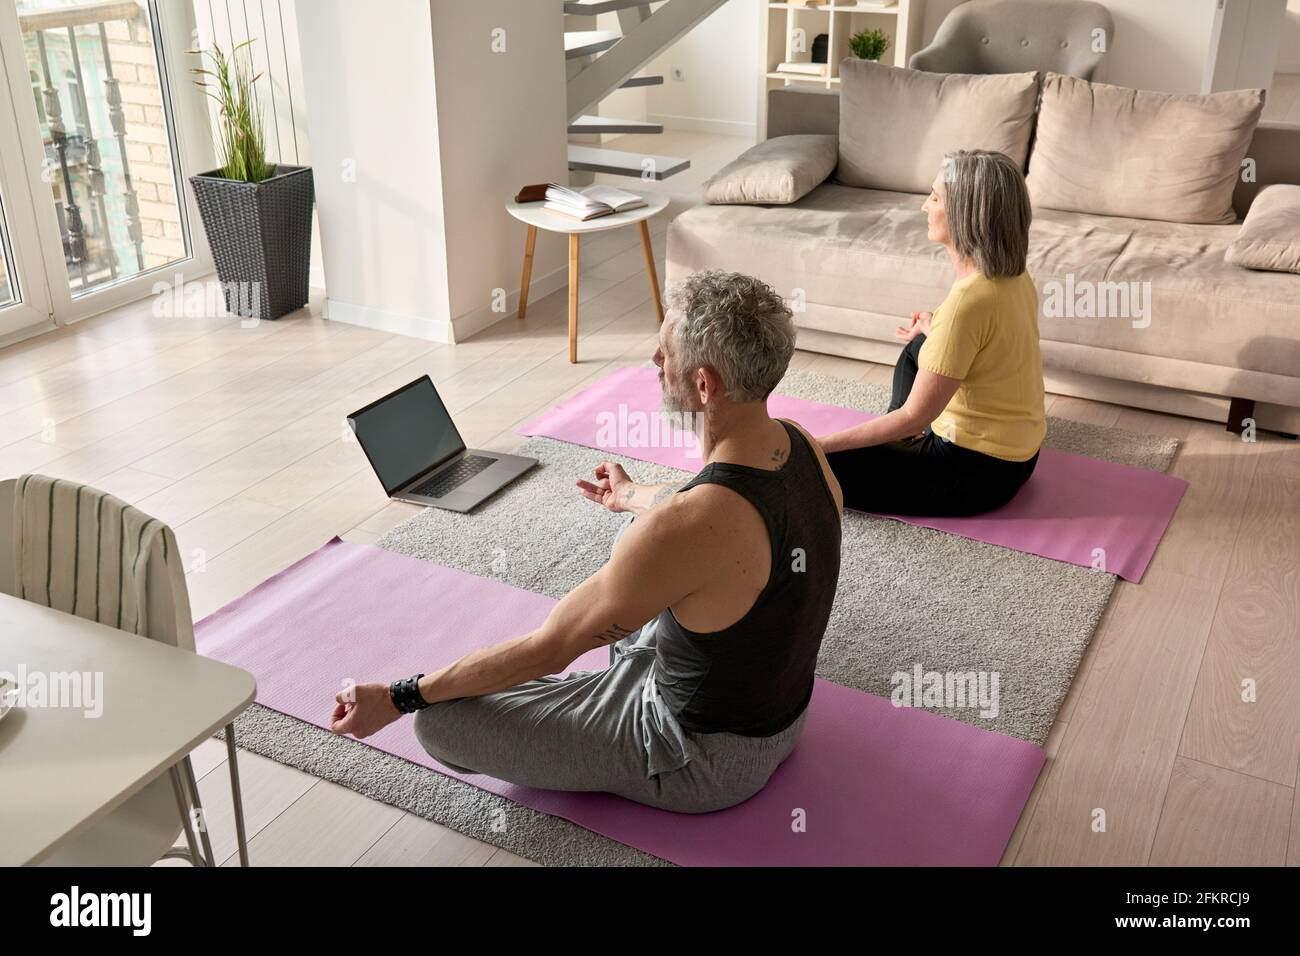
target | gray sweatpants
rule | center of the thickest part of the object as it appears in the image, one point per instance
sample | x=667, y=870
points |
x=607, y=730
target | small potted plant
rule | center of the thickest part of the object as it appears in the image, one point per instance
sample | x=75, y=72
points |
x=869, y=44
x=257, y=215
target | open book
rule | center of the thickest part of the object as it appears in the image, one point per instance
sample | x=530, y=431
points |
x=590, y=202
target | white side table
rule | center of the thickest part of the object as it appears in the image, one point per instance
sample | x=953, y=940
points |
x=535, y=216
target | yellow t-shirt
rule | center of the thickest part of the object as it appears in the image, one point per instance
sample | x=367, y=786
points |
x=986, y=334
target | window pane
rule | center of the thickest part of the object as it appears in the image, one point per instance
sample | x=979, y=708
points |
x=8, y=288
x=94, y=75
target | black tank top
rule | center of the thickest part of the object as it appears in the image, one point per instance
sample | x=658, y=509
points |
x=755, y=677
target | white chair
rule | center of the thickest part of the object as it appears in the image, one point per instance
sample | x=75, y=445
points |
x=146, y=827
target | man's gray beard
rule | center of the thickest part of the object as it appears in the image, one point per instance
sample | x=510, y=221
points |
x=672, y=402
x=675, y=407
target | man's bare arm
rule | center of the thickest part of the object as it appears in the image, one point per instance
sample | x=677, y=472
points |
x=653, y=567
x=613, y=489
x=641, y=498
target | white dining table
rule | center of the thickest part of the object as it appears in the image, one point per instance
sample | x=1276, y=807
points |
x=61, y=770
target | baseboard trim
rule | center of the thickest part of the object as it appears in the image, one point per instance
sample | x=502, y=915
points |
x=696, y=124
x=26, y=332
x=440, y=330
x=417, y=326
x=472, y=323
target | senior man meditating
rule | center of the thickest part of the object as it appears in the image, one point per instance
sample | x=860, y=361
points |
x=713, y=601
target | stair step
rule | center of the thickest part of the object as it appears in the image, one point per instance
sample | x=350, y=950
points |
x=590, y=8
x=608, y=124
x=632, y=81
x=620, y=163
x=585, y=42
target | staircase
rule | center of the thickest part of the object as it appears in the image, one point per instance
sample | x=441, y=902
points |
x=602, y=61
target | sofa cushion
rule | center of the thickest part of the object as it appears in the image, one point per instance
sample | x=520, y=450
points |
x=855, y=261
x=780, y=170
x=1185, y=301
x=860, y=249
x=1112, y=151
x=1270, y=236
x=896, y=124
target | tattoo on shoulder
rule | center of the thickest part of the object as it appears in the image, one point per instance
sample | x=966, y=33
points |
x=778, y=456
x=612, y=633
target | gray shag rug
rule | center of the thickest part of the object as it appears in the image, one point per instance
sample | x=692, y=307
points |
x=907, y=596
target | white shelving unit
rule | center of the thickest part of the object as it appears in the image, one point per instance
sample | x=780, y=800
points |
x=788, y=31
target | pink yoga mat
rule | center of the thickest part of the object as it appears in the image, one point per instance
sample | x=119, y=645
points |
x=1076, y=509
x=872, y=783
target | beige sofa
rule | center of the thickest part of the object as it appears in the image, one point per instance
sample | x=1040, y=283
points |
x=857, y=260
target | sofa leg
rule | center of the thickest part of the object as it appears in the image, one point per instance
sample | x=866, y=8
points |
x=1240, y=409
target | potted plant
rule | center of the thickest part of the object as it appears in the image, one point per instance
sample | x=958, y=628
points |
x=257, y=215
x=869, y=44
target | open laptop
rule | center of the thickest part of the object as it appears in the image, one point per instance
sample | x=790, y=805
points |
x=419, y=456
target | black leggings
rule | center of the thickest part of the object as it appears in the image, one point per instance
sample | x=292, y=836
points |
x=927, y=475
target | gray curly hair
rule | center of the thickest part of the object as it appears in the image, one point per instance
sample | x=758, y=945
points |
x=737, y=325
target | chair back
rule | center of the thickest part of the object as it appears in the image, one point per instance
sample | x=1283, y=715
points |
x=168, y=598
x=1020, y=36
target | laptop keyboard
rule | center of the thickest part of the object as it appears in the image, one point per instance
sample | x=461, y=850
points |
x=449, y=479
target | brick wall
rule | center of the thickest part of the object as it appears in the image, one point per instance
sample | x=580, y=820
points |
x=130, y=45
x=148, y=155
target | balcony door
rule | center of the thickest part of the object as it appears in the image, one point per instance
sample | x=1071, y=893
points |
x=24, y=296
x=96, y=211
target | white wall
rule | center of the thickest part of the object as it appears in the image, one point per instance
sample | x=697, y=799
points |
x=720, y=61
x=420, y=131
x=1158, y=45
x=622, y=104
x=372, y=116
x=501, y=125
x=1288, y=53
x=1244, y=45
x=272, y=25
x=935, y=12
x=1169, y=45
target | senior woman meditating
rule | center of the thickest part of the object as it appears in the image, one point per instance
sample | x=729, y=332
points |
x=966, y=418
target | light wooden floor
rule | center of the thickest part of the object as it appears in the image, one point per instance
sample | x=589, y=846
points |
x=236, y=437
x=1282, y=105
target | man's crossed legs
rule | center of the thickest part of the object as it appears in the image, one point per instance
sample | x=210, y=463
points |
x=606, y=730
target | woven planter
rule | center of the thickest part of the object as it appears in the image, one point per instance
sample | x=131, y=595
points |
x=260, y=235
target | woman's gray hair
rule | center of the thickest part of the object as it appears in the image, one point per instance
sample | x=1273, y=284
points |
x=988, y=210
x=738, y=326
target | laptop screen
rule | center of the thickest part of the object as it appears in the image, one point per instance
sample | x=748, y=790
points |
x=406, y=433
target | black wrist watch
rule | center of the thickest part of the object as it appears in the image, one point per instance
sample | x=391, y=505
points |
x=406, y=695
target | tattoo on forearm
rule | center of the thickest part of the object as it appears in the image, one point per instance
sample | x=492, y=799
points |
x=631, y=493
x=662, y=493
x=612, y=633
